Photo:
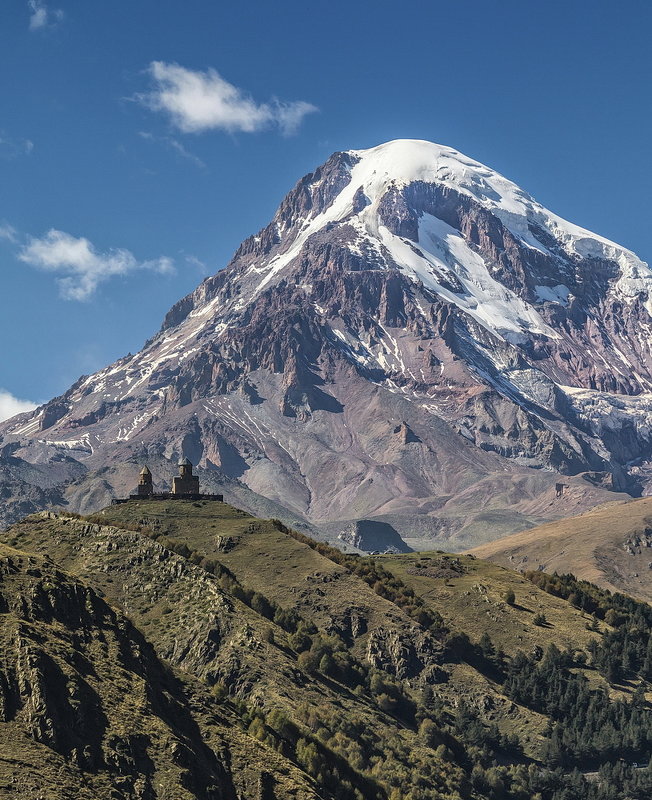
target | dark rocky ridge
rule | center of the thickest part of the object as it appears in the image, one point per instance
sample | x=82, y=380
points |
x=289, y=371
x=373, y=536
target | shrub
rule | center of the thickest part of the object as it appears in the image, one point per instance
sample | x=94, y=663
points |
x=261, y=605
x=257, y=729
x=278, y=721
x=430, y=734
x=308, y=662
x=219, y=691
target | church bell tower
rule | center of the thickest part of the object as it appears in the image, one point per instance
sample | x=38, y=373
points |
x=145, y=485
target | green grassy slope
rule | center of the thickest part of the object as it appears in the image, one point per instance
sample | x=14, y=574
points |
x=87, y=709
x=204, y=630
x=470, y=593
x=388, y=677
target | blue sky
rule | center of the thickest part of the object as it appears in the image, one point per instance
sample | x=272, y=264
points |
x=141, y=141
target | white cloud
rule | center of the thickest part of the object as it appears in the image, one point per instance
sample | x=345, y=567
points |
x=40, y=16
x=201, y=101
x=185, y=153
x=8, y=232
x=82, y=266
x=10, y=405
x=198, y=264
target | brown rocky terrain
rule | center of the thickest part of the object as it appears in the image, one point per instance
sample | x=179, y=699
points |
x=228, y=656
x=184, y=649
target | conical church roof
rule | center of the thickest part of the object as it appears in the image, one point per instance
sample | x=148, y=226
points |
x=145, y=471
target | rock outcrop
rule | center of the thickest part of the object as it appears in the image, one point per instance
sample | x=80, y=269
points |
x=373, y=536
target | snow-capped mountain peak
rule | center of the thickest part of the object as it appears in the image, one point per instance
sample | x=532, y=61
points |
x=408, y=325
x=437, y=251
x=405, y=161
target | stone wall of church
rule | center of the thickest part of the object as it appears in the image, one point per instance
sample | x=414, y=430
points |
x=187, y=484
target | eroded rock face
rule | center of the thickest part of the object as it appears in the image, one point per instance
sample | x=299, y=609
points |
x=83, y=694
x=403, y=287
x=374, y=536
x=404, y=657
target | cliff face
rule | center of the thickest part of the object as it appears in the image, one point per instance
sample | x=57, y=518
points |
x=403, y=287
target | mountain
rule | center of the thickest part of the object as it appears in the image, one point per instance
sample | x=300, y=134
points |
x=610, y=546
x=412, y=340
x=179, y=649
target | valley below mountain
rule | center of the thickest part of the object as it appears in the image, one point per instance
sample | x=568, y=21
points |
x=413, y=341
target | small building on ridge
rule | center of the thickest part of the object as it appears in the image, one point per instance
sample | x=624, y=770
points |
x=185, y=486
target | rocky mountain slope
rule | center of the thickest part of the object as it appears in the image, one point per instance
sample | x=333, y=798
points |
x=413, y=339
x=188, y=650
x=88, y=709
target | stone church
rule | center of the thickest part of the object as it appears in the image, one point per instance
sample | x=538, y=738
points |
x=185, y=486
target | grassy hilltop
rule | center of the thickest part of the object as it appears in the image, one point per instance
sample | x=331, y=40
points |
x=303, y=672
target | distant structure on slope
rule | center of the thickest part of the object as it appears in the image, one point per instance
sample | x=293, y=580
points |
x=185, y=486
x=185, y=483
x=145, y=484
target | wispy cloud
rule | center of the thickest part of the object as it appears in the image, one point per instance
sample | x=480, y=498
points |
x=200, y=101
x=10, y=405
x=173, y=144
x=81, y=265
x=8, y=232
x=41, y=17
x=198, y=264
x=12, y=148
x=185, y=153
